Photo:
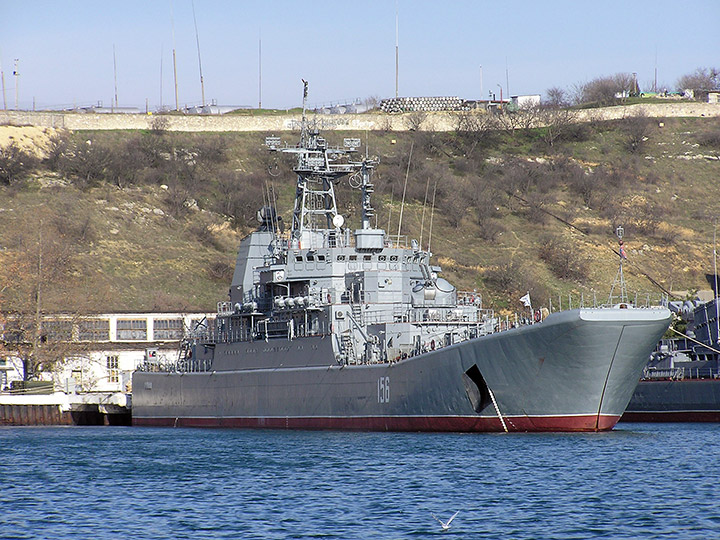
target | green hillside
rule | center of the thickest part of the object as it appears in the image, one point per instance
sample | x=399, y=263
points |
x=146, y=221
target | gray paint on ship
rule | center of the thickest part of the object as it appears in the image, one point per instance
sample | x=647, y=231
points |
x=562, y=366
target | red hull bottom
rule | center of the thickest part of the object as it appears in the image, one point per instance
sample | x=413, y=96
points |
x=672, y=416
x=400, y=423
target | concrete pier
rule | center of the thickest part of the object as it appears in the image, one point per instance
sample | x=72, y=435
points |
x=61, y=409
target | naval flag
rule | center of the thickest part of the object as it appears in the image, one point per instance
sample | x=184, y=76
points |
x=526, y=300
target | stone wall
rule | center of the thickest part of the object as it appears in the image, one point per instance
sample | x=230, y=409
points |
x=437, y=121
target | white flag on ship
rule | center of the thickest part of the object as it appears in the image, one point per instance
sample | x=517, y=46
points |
x=526, y=300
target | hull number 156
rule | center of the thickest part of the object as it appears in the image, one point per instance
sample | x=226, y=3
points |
x=384, y=390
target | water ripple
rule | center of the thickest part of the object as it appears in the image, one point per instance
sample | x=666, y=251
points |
x=639, y=481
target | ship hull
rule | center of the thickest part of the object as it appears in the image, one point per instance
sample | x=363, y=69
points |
x=688, y=400
x=575, y=371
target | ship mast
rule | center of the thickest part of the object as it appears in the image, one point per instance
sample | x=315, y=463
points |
x=319, y=167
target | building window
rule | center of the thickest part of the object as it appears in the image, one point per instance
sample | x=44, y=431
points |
x=168, y=329
x=94, y=330
x=57, y=330
x=112, y=366
x=132, y=329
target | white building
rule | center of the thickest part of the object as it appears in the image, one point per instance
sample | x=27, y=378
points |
x=525, y=102
x=109, y=348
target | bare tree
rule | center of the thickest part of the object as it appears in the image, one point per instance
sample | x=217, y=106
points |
x=700, y=79
x=636, y=129
x=602, y=90
x=35, y=273
x=15, y=163
x=159, y=125
x=86, y=162
x=556, y=98
x=563, y=258
x=473, y=129
x=556, y=123
x=415, y=120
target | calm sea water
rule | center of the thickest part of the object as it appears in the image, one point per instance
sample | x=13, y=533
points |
x=638, y=481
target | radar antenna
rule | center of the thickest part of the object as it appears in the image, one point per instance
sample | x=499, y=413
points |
x=319, y=166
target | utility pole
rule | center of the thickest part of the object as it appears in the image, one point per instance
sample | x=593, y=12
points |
x=172, y=24
x=397, y=50
x=2, y=76
x=507, y=78
x=481, y=81
x=161, y=78
x=115, y=102
x=16, y=73
x=260, y=70
x=655, y=89
x=197, y=39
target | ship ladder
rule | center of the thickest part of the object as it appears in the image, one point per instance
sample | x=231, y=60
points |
x=347, y=348
x=357, y=313
x=497, y=410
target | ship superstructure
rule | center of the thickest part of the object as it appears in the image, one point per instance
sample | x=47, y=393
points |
x=330, y=327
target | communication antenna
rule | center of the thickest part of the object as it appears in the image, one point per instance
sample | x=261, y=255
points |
x=161, y=77
x=260, y=70
x=303, y=132
x=717, y=307
x=392, y=196
x=620, y=276
x=16, y=73
x=507, y=78
x=655, y=83
x=422, y=221
x=432, y=214
x=172, y=24
x=481, y=82
x=402, y=204
x=115, y=77
x=2, y=76
x=397, y=49
x=197, y=40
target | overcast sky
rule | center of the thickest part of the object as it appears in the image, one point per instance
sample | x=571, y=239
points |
x=346, y=50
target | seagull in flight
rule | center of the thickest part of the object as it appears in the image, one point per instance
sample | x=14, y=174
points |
x=445, y=524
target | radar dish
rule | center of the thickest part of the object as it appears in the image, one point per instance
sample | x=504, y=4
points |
x=338, y=221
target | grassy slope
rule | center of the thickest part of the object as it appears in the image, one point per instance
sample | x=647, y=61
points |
x=138, y=259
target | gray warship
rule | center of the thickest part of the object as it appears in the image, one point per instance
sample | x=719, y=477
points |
x=681, y=383
x=333, y=328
